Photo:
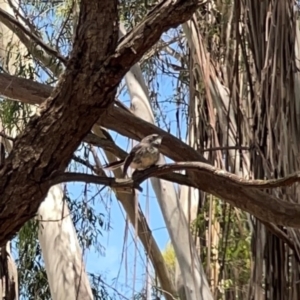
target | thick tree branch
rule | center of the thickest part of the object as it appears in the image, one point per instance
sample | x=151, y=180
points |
x=24, y=90
x=211, y=170
x=238, y=192
x=241, y=191
x=137, y=128
x=161, y=171
x=84, y=92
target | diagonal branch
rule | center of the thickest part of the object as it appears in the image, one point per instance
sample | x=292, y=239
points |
x=17, y=27
x=46, y=57
x=106, y=144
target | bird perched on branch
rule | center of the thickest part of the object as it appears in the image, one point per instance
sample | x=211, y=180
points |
x=142, y=156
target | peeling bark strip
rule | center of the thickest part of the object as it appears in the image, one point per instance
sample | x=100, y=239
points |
x=82, y=95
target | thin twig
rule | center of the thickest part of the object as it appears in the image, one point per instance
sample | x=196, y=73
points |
x=98, y=169
x=84, y=162
x=227, y=148
x=16, y=10
x=36, y=39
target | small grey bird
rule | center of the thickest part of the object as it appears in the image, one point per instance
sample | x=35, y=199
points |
x=142, y=156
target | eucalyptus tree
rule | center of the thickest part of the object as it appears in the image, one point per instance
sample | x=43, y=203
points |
x=215, y=58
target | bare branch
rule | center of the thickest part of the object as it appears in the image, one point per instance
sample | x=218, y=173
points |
x=85, y=163
x=209, y=169
x=239, y=192
x=105, y=144
x=117, y=183
x=24, y=90
x=14, y=24
x=121, y=183
x=35, y=45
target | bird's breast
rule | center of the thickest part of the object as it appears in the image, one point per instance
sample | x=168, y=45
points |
x=146, y=160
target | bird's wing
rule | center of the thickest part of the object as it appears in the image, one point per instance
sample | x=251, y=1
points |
x=114, y=165
x=128, y=161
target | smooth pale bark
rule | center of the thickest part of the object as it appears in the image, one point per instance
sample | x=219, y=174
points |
x=10, y=45
x=61, y=251
x=196, y=286
x=144, y=233
x=189, y=197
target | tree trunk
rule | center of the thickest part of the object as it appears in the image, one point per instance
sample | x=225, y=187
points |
x=61, y=251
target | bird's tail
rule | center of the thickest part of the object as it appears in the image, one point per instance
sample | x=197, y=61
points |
x=114, y=165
